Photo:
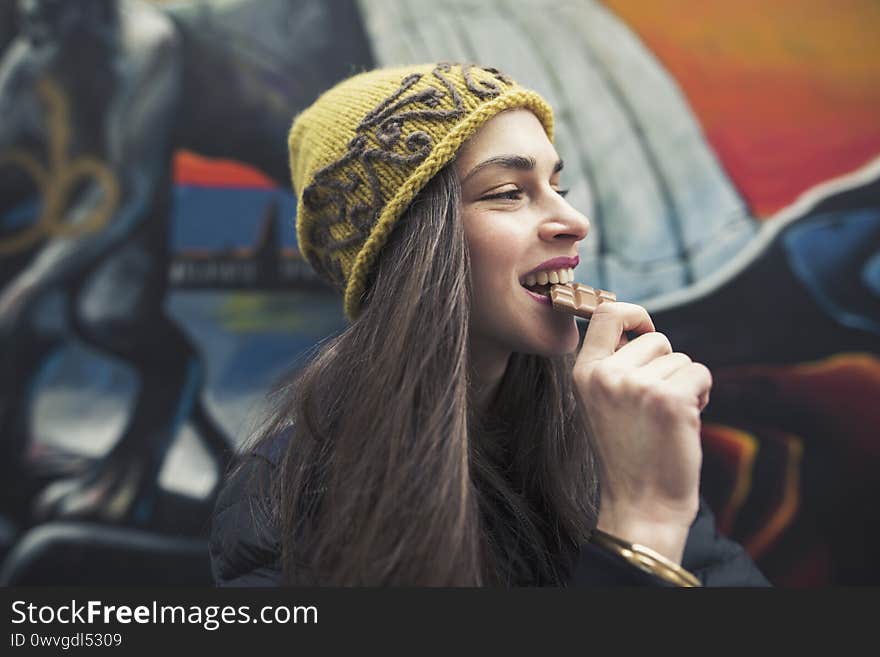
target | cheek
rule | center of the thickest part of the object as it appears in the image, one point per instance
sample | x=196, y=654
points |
x=494, y=249
x=493, y=265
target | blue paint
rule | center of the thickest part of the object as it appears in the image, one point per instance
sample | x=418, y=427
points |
x=835, y=255
x=20, y=216
x=187, y=396
x=218, y=218
x=45, y=371
x=871, y=274
x=144, y=509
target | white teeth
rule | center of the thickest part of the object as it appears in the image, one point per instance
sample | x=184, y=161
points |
x=552, y=277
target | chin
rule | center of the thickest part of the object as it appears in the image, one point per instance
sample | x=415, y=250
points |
x=558, y=345
x=558, y=350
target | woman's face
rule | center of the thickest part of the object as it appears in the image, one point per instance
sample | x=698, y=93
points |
x=515, y=221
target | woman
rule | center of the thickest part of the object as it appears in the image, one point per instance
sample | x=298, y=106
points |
x=453, y=434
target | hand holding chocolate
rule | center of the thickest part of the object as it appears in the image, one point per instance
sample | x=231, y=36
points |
x=643, y=402
x=579, y=299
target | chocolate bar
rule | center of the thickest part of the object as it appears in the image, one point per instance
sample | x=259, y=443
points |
x=578, y=299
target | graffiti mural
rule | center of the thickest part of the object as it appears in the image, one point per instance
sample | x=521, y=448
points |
x=152, y=292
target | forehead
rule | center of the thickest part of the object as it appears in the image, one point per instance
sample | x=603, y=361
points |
x=511, y=132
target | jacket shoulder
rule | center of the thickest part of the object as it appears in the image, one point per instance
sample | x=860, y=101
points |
x=715, y=559
x=245, y=547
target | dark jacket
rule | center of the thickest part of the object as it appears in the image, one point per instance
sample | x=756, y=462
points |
x=245, y=541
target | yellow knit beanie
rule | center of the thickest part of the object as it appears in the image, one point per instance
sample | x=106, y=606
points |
x=363, y=150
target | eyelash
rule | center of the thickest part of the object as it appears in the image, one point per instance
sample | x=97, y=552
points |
x=514, y=194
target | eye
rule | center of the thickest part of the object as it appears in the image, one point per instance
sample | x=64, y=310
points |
x=515, y=195
x=512, y=195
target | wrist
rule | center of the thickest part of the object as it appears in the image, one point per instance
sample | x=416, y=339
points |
x=667, y=539
x=645, y=559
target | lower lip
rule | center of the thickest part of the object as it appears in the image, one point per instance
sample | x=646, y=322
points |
x=540, y=298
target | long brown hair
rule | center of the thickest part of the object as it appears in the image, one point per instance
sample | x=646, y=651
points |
x=392, y=477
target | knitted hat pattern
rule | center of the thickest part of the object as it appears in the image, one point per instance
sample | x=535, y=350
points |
x=363, y=150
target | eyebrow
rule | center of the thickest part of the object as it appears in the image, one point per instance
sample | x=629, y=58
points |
x=518, y=162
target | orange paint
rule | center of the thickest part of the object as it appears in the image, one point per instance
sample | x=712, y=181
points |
x=786, y=91
x=783, y=515
x=841, y=390
x=193, y=169
x=740, y=449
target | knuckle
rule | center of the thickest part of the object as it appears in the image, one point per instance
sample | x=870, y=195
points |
x=705, y=372
x=605, y=376
x=583, y=372
x=657, y=341
x=684, y=358
x=662, y=341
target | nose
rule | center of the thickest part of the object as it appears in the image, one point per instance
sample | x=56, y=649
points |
x=563, y=221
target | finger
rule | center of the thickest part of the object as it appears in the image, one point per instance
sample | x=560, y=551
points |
x=694, y=380
x=643, y=350
x=664, y=366
x=608, y=324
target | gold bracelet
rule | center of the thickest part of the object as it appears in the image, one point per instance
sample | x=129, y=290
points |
x=646, y=559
